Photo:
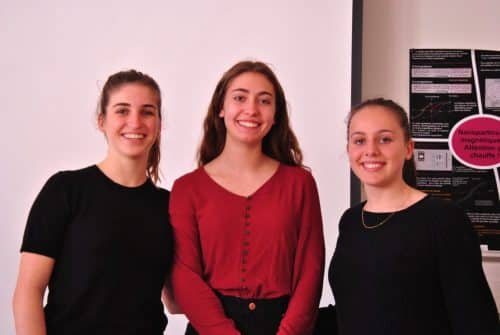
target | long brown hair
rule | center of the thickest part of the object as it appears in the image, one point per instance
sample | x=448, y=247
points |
x=280, y=143
x=409, y=170
x=116, y=81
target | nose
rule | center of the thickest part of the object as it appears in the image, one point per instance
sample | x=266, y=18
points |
x=134, y=119
x=371, y=148
x=252, y=107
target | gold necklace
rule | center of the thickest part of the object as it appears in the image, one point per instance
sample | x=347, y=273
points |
x=378, y=224
x=388, y=216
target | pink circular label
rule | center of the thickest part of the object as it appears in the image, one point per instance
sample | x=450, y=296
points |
x=475, y=141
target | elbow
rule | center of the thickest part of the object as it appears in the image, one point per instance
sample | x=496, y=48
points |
x=15, y=302
x=169, y=302
x=17, y=298
x=25, y=297
x=173, y=308
x=18, y=302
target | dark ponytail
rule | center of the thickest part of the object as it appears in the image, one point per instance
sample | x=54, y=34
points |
x=410, y=172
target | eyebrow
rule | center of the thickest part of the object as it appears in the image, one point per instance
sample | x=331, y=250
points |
x=247, y=91
x=124, y=104
x=378, y=132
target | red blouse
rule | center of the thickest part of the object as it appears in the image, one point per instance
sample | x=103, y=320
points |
x=267, y=245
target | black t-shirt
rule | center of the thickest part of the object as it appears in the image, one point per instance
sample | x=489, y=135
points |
x=418, y=273
x=112, y=247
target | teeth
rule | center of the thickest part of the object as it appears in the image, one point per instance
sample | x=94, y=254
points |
x=134, y=136
x=372, y=165
x=248, y=124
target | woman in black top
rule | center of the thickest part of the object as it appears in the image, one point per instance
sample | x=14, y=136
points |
x=405, y=263
x=99, y=237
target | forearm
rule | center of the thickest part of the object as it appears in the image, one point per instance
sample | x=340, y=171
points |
x=308, y=282
x=199, y=303
x=28, y=312
x=303, y=308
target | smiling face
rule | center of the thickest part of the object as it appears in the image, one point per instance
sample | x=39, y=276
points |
x=131, y=123
x=249, y=108
x=377, y=146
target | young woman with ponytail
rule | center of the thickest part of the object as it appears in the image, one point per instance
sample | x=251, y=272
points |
x=405, y=262
x=99, y=238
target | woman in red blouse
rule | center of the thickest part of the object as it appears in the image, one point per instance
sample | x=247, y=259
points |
x=247, y=222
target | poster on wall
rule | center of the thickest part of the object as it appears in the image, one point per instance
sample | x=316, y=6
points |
x=455, y=122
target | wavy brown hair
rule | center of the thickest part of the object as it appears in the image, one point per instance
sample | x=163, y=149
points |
x=280, y=143
x=409, y=170
x=114, y=82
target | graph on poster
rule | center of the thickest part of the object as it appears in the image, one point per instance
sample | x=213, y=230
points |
x=455, y=122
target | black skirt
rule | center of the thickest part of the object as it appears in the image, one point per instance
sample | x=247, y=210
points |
x=252, y=316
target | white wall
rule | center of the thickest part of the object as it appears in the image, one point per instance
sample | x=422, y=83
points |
x=55, y=57
x=392, y=27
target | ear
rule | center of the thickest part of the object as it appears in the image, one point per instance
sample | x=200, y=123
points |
x=100, y=122
x=221, y=113
x=410, y=146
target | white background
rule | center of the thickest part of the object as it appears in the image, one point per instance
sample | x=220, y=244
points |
x=392, y=27
x=56, y=55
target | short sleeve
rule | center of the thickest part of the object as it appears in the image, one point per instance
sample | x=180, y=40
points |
x=47, y=219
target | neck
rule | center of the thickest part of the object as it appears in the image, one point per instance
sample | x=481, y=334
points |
x=126, y=172
x=242, y=157
x=388, y=198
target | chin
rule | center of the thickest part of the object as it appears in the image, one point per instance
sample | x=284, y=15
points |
x=249, y=140
x=379, y=183
x=135, y=155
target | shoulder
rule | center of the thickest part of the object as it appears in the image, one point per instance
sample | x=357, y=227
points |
x=350, y=214
x=443, y=216
x=297, y=180
x=292, y=170
x=439, y=208
x=84, y=174
x=190, y=185
x=185, y=190
x=298, y=173
x=59, y=194
x=68, y=178
x=189, y=179
x=161, y=193
x=354, y=209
